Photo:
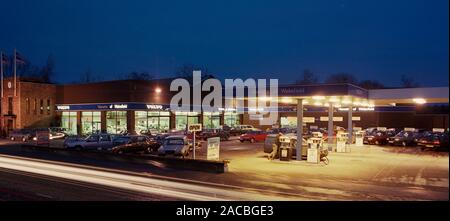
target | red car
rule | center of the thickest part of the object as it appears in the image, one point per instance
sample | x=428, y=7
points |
x=253, y=136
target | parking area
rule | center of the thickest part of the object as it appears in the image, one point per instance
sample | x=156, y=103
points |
x=368, y=172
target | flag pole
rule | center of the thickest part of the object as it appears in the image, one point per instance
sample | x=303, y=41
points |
x=15, y=73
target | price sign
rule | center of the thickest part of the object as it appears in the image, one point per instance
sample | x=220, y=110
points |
x=213, y=148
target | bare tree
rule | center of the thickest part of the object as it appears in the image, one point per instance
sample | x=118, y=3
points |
x=408, y=82
x=371, y=84
x=139, y=76
x=87, y=76
x=186, y=70
x=47, y=71
x=341, y=78
x=308, y=77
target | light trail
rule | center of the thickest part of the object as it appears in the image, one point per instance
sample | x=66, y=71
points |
x=167, y=188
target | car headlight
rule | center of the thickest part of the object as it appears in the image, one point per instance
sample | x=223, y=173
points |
x=34, y=138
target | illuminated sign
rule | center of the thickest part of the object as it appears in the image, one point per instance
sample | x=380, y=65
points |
x=308, y=120
x=65, y=107
x=366, y=109
x=120, y=106
x=409, y=129
x=154, y=107
x=194, y=127
x=356, y=118
x=103, y=106
x=357, y=109
x=438, y=130
x=337, y=119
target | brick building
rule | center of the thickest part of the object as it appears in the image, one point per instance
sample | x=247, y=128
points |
x=30, y=105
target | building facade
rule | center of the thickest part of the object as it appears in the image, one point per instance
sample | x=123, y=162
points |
x=137, y=105
x=29, y=105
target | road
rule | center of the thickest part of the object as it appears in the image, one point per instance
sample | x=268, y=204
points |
x=65, y=181
x=367, y=173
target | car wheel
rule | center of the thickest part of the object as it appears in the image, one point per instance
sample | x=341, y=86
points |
x=252, y=140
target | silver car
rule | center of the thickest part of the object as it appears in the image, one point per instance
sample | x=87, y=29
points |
x=177, y=145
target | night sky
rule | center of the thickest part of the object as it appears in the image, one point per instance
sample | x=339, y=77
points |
x=376, y=39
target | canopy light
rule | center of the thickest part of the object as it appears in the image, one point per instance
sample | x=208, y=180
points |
x=419, y=101
x=318, y=97
x=286, y=100
x=334, y=100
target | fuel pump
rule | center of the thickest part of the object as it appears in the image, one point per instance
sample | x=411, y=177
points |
x=285, y=148
x=359, y=137
x=341, y=143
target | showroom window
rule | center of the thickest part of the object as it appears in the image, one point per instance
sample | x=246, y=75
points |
x=69, y=122
x=231, y=119
x=154, y=120
x=288, y=121
x=90, y=122
x=116, y=122
x=211, y=120
x=182, y=119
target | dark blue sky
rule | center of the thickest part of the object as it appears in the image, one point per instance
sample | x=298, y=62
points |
x=376, y=39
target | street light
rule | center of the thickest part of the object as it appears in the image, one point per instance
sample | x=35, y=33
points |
x=419, y=101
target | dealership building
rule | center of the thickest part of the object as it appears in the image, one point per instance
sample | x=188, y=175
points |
x=137, y=105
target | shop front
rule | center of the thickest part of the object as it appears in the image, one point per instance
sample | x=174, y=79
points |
x=152, y=120
x=90, y=122
x=116, y=122
x=183, y=119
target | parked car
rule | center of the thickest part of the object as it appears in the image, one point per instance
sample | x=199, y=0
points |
x=135, y=144
x=254, y=135
x=283, y=130
x=21, y=134
x=241, y=129
x=208, y=133
x=405, y=138
x=149, y=132
x=177, y=145
x=94, y=141
x=433, y=141
x=379, y=137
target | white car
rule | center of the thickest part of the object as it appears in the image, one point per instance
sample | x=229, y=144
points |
x=95, y=141
x=177, y=145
